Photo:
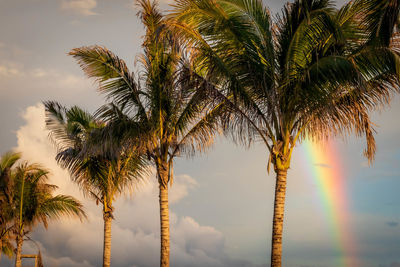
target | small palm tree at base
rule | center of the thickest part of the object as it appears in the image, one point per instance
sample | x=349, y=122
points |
x=32, y=201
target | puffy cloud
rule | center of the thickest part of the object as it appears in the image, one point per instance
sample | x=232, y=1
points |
x=82, y=7
x=33, y=141
x=136, y=226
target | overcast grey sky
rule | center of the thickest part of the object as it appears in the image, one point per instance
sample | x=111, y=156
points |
x=221, y=203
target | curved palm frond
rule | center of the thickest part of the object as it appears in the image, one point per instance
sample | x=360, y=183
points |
x=58, y=206
x=380, y=18
x=112, y=74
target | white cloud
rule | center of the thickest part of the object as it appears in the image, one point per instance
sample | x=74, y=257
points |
x=135, y=228
x=180, y=187
x=82, y=7
x=7, y=70
x=42, y=76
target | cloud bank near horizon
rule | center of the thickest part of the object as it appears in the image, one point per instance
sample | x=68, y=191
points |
x=135, y=231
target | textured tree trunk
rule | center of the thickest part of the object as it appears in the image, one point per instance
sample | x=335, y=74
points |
x=164, y=221
x=1, y=248
x=107, y=239
x=279, y=210
x=19, y=241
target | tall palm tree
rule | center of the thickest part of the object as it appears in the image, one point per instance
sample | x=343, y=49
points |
x=313, y=72
x=101, y=176
x=7, y=162
x=34, y=203
x=161, y=111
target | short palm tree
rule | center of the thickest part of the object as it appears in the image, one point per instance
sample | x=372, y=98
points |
x=314, y=72
x=101, y=176
x=8, y=160
x=162, y=112
x=32, y=202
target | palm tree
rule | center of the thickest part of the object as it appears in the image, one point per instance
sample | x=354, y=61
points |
x=162, y=112
x=101, y=176
x=33, y=202
x=314, y=72
x=8, y=160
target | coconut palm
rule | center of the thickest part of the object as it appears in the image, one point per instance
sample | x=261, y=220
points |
x=8, y=160
x=33, y=202
x=161, y=111
x=101, y=176
x=314, y=72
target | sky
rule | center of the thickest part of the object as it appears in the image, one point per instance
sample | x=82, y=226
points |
x=221, y=202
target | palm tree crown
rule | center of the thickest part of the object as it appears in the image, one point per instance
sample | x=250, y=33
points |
x=102, y=175
x=309, y=73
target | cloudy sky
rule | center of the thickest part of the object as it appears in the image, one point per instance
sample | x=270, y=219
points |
x=221, y=203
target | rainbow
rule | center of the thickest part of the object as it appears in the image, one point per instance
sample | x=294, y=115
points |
x=325, y=170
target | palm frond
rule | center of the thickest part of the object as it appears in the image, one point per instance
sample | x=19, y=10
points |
x=380, y=18
x=111, y=73
x=61, y=205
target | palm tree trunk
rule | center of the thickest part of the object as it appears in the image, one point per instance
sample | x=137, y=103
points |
x=164, y=221
x=107, y=239
x=20, y=237
x=1, y=248
x=19, y=241
x=279, y=209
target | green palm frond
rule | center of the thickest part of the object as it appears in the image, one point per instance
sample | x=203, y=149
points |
x=111, y=73
x=60, y=206
x=56, y=123
x=8, y=160
x=380, y=18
